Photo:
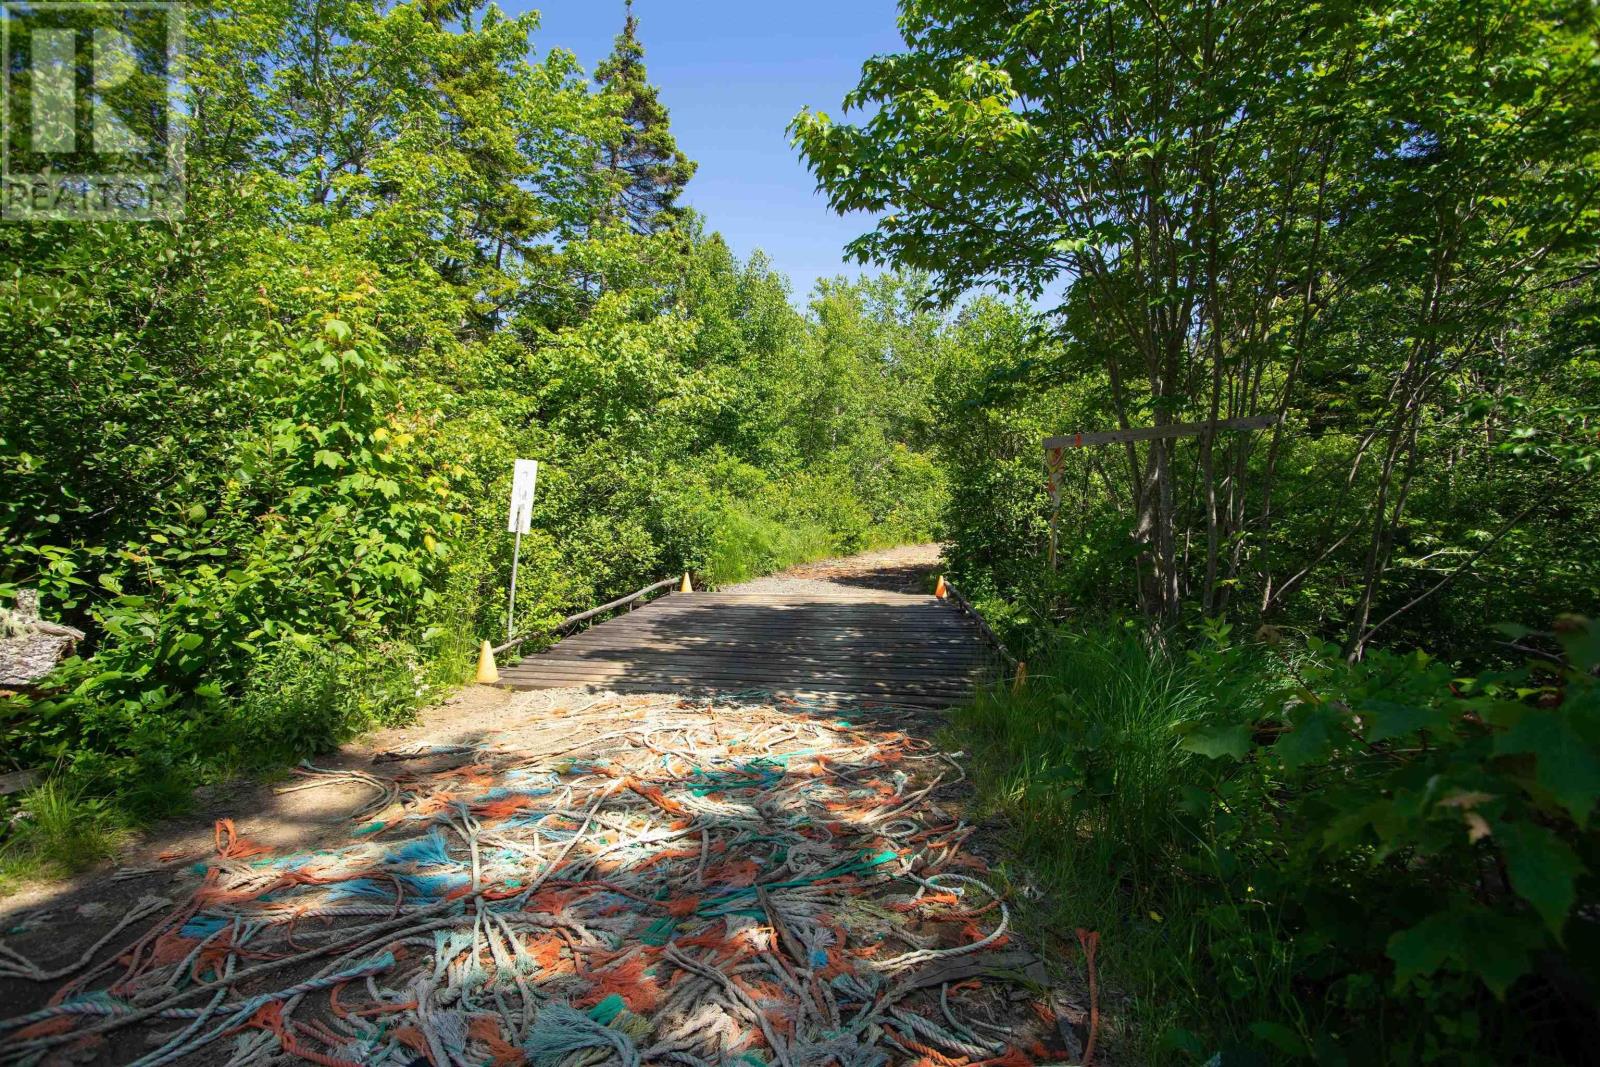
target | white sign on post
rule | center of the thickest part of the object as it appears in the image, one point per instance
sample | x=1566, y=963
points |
x=523, y=477
x=520, y=521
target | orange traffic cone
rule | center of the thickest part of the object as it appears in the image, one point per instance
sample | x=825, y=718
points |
x=941, y=591
x=488, y=673
x=686, y=586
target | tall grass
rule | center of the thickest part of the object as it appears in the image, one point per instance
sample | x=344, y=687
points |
x=747, y=544
x=55, y=830
x=1085, y=769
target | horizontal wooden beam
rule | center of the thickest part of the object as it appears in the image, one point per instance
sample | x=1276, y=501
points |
x=591, y=613
x=956, y=647
x=1151, y=433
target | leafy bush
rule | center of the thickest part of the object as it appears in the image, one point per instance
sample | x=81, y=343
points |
x=1428, y=170
x=745, y=544
x=301, y=699
x=1310, y=858
x=260, y=456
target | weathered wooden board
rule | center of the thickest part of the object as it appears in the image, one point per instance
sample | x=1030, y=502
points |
x=752, y=673
x=1151, y=433
x=854, y=645
x=947, y=652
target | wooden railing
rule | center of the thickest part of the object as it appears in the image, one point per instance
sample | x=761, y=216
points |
x=572, y=620
x=993, y=638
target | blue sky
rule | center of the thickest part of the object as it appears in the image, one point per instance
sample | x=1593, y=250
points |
x=733, y=73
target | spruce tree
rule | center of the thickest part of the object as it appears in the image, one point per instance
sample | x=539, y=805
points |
x=649, y=169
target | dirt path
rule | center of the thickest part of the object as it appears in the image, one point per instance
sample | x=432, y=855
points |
x=558, y=878
x=906, y=569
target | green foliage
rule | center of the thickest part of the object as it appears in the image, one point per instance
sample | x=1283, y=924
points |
x=745, y=545
x=300, y=699
x=1312, y=858
x=56, y=830
x=645, y=165
x=1377, y=223
x=261, y=456
x=1377, y=226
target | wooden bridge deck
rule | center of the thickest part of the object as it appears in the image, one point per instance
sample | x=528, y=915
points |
x=836, y=643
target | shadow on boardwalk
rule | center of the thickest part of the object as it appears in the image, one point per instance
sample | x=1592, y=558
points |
x=559, y=877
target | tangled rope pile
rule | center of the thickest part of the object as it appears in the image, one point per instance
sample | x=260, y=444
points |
x=701, y=882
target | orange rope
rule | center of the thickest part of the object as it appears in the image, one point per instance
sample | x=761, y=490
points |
x=415, y=1040
x=682, y=907
x=929, y=1054
x=1010, y=1058
x=639, y=991
x=270, y=1017
x=654, y=795
x=231, y=846
x=47, y=1028
x=486, y=1028
x=384, y=1009
x=1090, y=940
x=735, y=873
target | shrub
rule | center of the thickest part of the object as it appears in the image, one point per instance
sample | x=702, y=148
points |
x=304, y=698
x=1311, y=858
x=746, y=544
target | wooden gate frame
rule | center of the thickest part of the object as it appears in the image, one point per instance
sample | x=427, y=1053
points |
x=1055, y=449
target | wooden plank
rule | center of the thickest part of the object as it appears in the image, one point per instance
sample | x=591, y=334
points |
x=919, y=653
x=744, y=665
x=920, y=659
x=746, y=661
x=891, y=600
x=960, y=630
x=755, y=675
x=717, y=602
x=813, y=611
x=852, y=635
x=697, y=624
x=773, y=619
x=747, y=665
x=628, y=644
x=833, y=591
x=633, y=683
x=1151, y=433
x=941, y=699
x=677, y=604
x=789, y=616
x=707, y=604
x=820, y=696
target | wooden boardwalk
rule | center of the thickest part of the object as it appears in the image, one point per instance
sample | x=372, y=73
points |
x=818, y=640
